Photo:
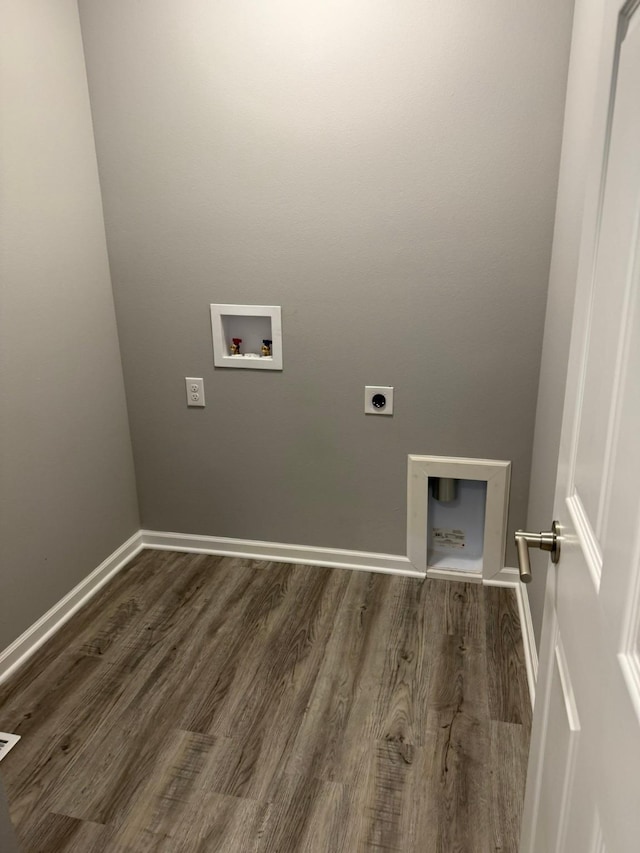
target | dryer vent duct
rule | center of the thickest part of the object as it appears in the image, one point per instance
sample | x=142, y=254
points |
x=444, y=489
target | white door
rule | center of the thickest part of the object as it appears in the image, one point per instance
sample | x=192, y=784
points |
x=583, y=785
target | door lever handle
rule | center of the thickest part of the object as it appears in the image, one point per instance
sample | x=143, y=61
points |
x=549, y=540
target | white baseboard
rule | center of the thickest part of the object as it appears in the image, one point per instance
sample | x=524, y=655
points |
x=21, y=649
x=511, y=577
x=333, y=558
x=505, y=577
x=528, y=639
x=453, y=575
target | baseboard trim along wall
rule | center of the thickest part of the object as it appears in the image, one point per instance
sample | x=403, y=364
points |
x=511, y=577
x=30, y=641
x=333, y=558
x=528, y=639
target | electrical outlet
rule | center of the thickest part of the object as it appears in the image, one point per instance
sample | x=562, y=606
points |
x=378, y=400
x=195, y=391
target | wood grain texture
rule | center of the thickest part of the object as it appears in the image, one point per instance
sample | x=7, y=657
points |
x=202, y=703
x=508, y=688
x=509, y=750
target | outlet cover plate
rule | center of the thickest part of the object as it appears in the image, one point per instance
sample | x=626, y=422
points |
x=372, y=391
x=195, y=391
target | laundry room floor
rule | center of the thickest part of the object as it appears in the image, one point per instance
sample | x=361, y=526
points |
x=202, y=703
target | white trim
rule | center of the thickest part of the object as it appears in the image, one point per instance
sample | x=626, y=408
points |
x=30, y=641
x=574, y=729
x=334, y=558
x=8, y=742
x=597, y=845
x=586, y=537
x=505, y=577
x=454, y=575
x=221, y=357
x=495, y=473
x=528, y=640
x=511, y=577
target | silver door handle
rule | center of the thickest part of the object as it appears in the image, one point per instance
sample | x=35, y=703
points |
x=547, y=541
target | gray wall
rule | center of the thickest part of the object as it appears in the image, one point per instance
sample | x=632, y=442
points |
x=67, y=491
x=587, y=33
x=387, y=173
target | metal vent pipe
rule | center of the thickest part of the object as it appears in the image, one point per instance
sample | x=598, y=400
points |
x=444, y=489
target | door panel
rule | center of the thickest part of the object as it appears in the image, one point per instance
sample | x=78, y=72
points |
x=583, y=788
x=563, y=733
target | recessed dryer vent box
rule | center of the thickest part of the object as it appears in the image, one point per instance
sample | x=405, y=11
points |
x=252, y=324
x=455, y=528
x=457, y=516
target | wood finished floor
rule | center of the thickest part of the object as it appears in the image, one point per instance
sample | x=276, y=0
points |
x=203, y=703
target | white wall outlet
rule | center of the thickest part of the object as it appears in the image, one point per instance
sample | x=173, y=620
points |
x=195, y=391
x=378, y=400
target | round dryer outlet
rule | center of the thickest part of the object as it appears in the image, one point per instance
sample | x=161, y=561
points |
x=378, y=400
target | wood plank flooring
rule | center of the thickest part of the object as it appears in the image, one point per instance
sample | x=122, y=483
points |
x=203, y=703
